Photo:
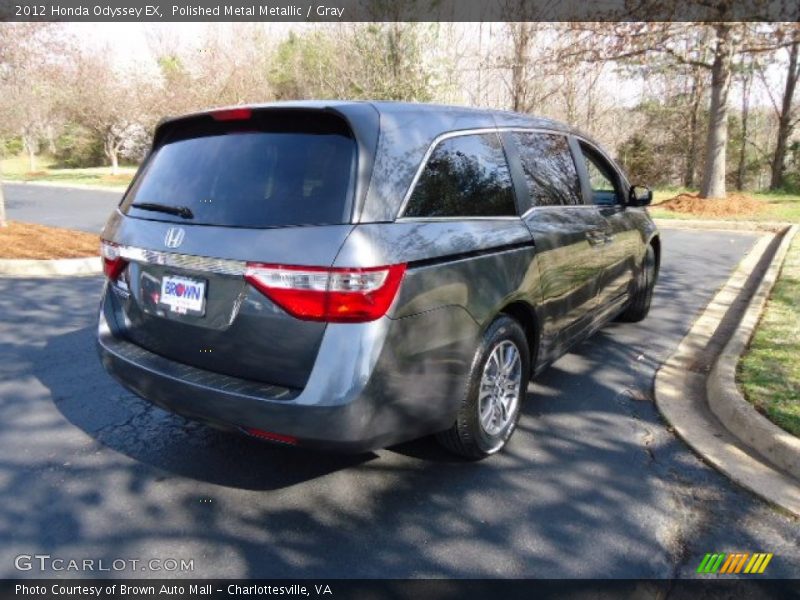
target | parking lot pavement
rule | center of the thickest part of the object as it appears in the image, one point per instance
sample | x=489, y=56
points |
x=81, y=209
x=592, y=484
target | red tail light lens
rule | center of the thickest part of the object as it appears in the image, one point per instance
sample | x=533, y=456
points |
x=232, y=114
x=113, y=263
x=333, y=295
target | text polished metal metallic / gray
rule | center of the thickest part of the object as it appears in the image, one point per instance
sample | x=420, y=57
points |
x=357, y=274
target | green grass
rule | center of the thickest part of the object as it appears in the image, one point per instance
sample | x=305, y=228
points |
x=17, y=169
x=780, y=207
x=769, y=373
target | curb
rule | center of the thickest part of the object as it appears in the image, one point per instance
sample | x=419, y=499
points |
x=71, y=186
x=727, y=402
x=771, y=226
x=680, y=387
x=72, y=267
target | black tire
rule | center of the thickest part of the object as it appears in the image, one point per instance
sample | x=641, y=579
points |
x=467, y=437
x=643, y=296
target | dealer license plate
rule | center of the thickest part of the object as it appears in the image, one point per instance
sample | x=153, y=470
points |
x=183, y=295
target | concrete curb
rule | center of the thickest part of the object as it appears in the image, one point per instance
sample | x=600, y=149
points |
x=727, y=402
x=65, y=267
x=773, y=226
x=680, y=388
x=71, y=186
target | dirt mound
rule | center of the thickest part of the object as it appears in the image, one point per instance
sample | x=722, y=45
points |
x=735, y=205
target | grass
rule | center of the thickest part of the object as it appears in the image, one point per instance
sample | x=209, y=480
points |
x=17, y=169
x=780, y=207
x=769, y=373
x=24, y=240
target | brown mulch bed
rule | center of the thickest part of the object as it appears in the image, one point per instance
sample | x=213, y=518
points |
x=25, y=240
x=735, y=204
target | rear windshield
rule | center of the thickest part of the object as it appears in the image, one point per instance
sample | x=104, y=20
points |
x=268, y=171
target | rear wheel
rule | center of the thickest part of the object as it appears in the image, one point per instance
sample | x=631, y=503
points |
x=643, y=296
x=497, y=382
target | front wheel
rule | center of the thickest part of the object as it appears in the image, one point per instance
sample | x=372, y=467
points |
x=496, y=385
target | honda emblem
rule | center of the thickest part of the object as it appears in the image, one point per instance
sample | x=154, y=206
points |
x=174, y=237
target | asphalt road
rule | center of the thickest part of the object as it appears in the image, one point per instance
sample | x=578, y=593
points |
x=592, y=484
x=82, y=209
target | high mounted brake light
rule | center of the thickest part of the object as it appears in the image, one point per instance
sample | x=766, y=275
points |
x=232, y=114
x=113, y=263
x=335, y=295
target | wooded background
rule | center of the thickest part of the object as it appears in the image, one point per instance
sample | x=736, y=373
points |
x=701, y=106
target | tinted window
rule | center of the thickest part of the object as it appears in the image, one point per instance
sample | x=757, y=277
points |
x=549, y=169
x=249, y=175
x=466, y=176
x=602, y=179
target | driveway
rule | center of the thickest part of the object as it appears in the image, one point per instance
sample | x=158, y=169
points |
x=82, y=209
x=592, y=484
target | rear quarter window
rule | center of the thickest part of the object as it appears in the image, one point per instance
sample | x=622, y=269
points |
x=465, y=176
x=549, y=169
x=264, y=172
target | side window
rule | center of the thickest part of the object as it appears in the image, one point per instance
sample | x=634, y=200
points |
x=602, y=179
x=466, y=176
x=549, y=169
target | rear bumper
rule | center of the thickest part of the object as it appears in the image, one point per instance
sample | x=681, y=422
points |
x=372, y=385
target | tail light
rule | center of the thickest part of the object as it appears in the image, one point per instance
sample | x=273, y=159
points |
x=333, y=295
x=113, y=263
x=232, y=114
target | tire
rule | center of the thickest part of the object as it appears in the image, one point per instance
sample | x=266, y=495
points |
x=471, y=436
x=643, y=296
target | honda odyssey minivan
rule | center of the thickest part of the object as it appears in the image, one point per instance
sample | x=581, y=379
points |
x=351, y=275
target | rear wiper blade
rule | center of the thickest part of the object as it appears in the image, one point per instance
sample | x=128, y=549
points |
x=181, y=211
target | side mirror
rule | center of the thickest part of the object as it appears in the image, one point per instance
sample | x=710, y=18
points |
x=640, y=195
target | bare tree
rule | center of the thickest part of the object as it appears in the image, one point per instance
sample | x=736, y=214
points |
x=785, y=113
x=746, y=72
x=696, y=94
x=32, y=57
x=689, y=44
x=27, y=51
x=109, y=104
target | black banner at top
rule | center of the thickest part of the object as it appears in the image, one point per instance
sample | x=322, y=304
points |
x=398, y=10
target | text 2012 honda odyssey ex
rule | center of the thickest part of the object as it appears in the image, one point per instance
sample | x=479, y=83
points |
x=356, y=274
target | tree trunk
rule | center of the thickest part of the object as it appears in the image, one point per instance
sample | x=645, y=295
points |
x=691, y=153
x=714, y=173
x=51, y=140
x=114, y=162
x=112, y=153
x=521, y=38
x=31, y=161
x=784, y=121
x=30, y=148
x=747, y=78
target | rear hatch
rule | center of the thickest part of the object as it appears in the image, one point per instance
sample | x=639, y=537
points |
x=220, y=192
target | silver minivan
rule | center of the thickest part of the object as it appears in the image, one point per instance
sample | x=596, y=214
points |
x=351, y=275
